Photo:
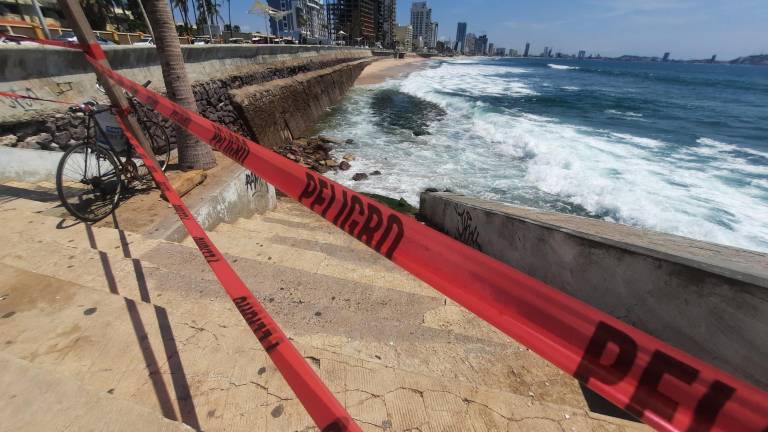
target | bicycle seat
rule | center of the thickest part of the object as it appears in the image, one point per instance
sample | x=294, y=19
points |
x=85, y=107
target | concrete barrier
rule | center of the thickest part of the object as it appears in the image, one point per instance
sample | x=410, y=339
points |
x=28, y=165
x=708, y=300
x=63, y=74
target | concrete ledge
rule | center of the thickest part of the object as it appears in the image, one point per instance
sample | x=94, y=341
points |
x=231, y=192
x=708, y=300
x=28, y=165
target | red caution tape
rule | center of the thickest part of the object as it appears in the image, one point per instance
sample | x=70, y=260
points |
x=665, y=387
x=322, y=406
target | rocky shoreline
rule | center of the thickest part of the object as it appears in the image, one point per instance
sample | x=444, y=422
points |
x=315, y=154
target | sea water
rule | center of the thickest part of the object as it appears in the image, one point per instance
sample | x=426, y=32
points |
x=678, y=148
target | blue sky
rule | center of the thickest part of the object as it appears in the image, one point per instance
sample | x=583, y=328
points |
x=686, y=28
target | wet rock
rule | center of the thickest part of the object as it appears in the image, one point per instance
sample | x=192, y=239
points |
x=360, y=177
x=375, y=173
x=328, y=139
x=344, y=165
x=349, y=157
x=8, y=140
x=331, y=163
x=350, y=141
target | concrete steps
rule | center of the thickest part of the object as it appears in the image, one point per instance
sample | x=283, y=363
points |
x=68, y=404
x=395, y=352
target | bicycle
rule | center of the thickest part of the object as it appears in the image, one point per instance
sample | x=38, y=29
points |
x=93, y=175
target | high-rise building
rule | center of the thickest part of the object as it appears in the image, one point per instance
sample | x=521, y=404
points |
x=470, y=46
x=666, y=57
x=404, y=38
x=513, y=52
x=545, y=53
x=432, y=43
x=713, y=59
x=527, y=49
x=421, y=21
x=491, y=49
x=354, y=19
x=461, y=35
x=306, y=21
x=582, y=54
x=385, y=21
x=501, y=52
x=481, y=46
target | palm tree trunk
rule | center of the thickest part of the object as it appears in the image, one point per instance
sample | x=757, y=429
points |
x=193, y=154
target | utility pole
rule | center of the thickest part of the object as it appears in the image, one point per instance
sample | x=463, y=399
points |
x=146, y=20
x=84, y=33
x=40, y=17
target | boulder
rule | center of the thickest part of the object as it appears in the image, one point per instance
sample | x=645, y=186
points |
x=331, y=163
x=8, y=140
x=360, y=177
x=375, y=173
x=344, y=165
x=329, y=140
x=350, y=141
x=349, y=157
x=62, y=138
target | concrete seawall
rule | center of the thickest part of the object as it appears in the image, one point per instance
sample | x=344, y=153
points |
x=282, y=110
x=708, y=300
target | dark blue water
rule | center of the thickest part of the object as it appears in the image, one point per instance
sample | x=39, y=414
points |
x=680, y=148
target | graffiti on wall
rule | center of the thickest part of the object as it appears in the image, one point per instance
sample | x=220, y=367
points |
x=466, y=231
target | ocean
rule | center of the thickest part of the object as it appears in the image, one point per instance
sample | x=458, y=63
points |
x=677, y=148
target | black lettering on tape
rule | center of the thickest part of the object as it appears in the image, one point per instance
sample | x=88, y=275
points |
x=373, y=222
x=591, y=366
x=181, y=211
x=647, y=395
x=233, y=146
x=331, y=200
x=393, y=223
x=206, y=249
x=356, y=206
x=343, y=209
x=710, y=405
x=255, y=322
x=319, y=198
x=310, y=188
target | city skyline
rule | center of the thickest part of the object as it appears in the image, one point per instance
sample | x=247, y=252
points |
x=686, y=28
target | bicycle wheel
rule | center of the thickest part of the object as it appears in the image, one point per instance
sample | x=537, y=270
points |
x=159, y=141
x=88, y=182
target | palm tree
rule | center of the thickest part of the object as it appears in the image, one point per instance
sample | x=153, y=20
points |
x=183, y=8
x=193, y=154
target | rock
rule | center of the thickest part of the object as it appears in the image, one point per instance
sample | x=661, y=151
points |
x=375, y=173
x=329, y=140
x=29, y=143
x=79, y=133
x=53, y=147
x=323, y=146
x=322, y=169
x=8, y=140
x=360, y=176
x=291, y=156
x=331, y=163
x=344, y=165
x=349, y=157
x=350, y=141
x=50, y=128
x=62, y=138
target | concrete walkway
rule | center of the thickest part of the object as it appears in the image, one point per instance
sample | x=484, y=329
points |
x=107, y=329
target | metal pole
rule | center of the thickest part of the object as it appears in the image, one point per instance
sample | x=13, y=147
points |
x=229, y=11
x=40, y=17
x=85, y=36
x=146, y=20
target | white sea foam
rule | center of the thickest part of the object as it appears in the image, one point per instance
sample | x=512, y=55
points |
x=562, y=67
x=624, y=113
x=507, y=155
x=570, y=88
